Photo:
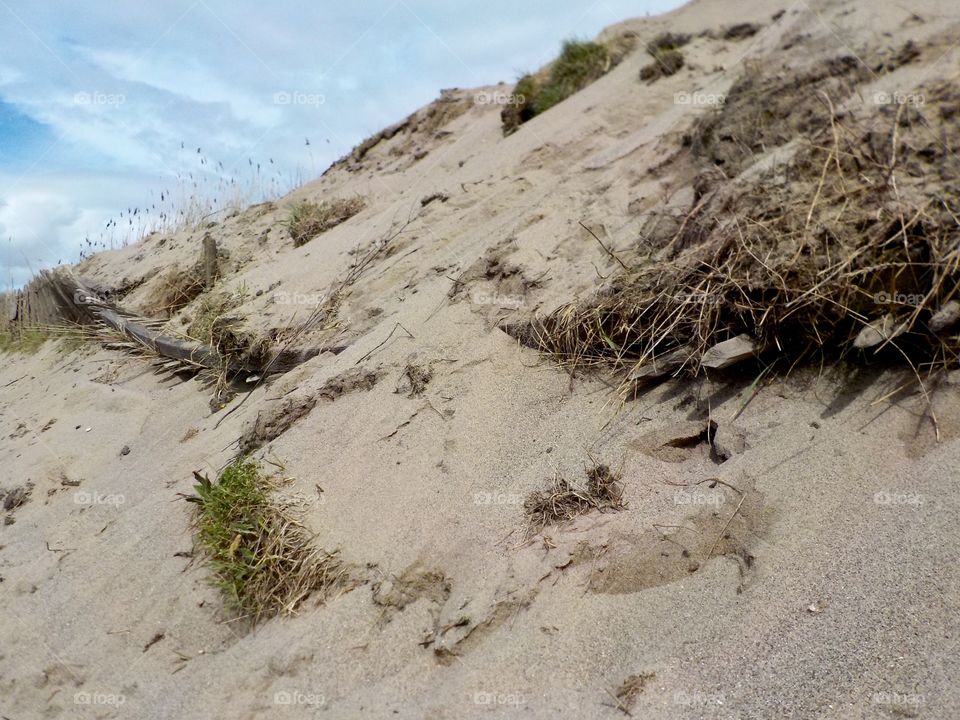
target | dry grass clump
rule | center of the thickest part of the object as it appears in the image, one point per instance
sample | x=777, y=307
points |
x=667, y=41
x=579, y=64
x=561, y=502
x=174, y=290
x=665, y=64
x=667, y=58
x=264, y=561
x=740, y=31
x=215, y=325
x=309, y=219
x=630, y=689
x=415, y=379
x=859, y=229
x=211, y=316
x=763, y=110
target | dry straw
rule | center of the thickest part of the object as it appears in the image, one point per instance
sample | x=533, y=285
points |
x=857, y=236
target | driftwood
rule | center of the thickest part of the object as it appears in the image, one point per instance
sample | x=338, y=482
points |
x=60, y=297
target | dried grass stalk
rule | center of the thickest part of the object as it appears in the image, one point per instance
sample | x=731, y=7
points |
x=561, y=502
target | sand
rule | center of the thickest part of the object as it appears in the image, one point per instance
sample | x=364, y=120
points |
x=833, y=587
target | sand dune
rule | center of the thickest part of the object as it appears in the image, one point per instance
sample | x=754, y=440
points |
x=787, y=551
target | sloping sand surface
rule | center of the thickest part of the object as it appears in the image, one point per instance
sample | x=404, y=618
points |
x=792, y=552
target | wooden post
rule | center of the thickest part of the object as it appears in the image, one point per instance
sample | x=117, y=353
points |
x=209, y=261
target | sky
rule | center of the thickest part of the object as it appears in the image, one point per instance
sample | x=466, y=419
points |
x=115, y=117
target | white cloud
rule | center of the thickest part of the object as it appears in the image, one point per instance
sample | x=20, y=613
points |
x=46, y=220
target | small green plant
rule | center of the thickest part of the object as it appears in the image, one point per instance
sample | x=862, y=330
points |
x=263, y=560
x=308, y=219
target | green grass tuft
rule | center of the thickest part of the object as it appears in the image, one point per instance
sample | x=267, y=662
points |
x=26, y=341
x=263, y=560
x=579, y=64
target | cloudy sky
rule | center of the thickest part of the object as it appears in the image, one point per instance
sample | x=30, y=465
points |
x=112, y=115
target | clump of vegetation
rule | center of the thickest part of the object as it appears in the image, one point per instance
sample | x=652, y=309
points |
x=308, y=219
x=667, y=58
x=234, y=349
x=211, y=315
x=667, y=41
x=415, y=379
x=664, y=64
x=848, y=249
x=579, y=64
x=523, y=107
x=176, y=289
x=740, y=31
x=27, y=340
x=626, y=695
x=562, y=502
x=264, y=561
